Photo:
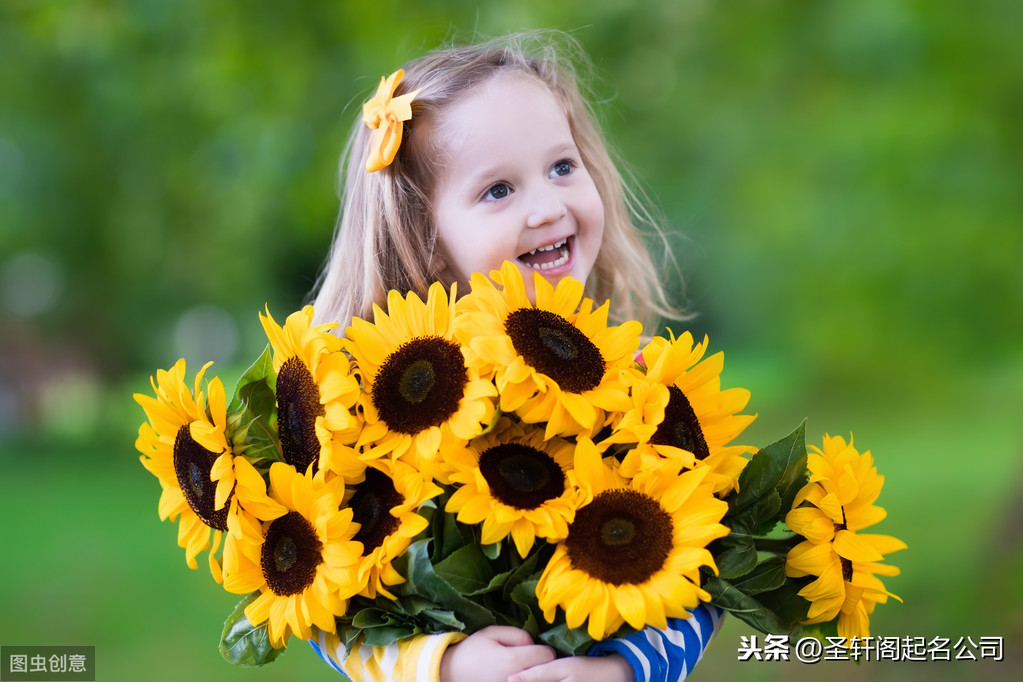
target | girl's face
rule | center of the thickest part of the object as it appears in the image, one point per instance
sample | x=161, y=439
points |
x=513, y=187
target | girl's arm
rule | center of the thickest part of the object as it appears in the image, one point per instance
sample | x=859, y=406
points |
x=669, y=654
x=416, y=658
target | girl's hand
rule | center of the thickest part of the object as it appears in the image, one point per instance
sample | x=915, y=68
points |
x=612, y=668
x=492, y=655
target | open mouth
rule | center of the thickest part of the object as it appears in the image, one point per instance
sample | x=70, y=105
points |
x=550, y=256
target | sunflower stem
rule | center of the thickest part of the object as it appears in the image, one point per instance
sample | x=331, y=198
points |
x=777, y=545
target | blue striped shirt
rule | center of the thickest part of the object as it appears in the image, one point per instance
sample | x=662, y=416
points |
x=666, y=655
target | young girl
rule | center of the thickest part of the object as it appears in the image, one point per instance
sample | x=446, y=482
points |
x=464, y=159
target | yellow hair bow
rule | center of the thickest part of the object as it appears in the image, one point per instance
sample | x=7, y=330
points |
x=384, y=113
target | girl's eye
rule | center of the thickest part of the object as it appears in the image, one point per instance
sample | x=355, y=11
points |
x=563, y=167
x=498, y=190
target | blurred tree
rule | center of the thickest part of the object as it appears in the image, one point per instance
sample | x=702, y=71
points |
x=846, y=173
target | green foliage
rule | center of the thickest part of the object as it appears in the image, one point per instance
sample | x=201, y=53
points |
x=768, y=484
x=751, y=582
x=245, y=644
x=842, y=206
x=253, y=411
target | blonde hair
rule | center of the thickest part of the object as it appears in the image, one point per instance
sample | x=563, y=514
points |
x=386, y=235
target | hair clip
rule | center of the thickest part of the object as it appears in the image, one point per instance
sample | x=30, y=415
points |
x=384, y=113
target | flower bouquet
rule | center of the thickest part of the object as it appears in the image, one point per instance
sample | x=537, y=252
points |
x=458, y=463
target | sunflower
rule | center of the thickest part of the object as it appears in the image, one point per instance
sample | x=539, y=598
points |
x=555, y=362
x=679, y=410
x=633, y=554
x=828, y=512
x=316, y=394
x=419, y=395
x=384, y=505
x=302, y=562
x=185, y=444
x=516, y=483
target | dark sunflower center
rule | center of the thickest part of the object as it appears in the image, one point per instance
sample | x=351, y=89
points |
x=371, y=505
x=521, y=476
x=291, y=553
x=847, y=567
x=192, y=464
x=298, y=406
x=420, y=384
x=417, y=381
x=553, y=346
x=680, y=427
x=621, y=537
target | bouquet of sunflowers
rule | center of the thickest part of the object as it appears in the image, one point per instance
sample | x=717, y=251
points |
x=455, y=464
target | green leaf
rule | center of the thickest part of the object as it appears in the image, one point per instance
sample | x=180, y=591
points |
x=765, y=512
x=528, y=570
x=495, y=584
x=744, y=607
x=776, y=611
x=493, y=550
x=524, y=593
x=413, y=605
x=245, y=644
x=370, y=618
x=778, y=468
x=759, y=518
x=448, y=537
x=254, y=406
x=259, y=372
x=530, y=625
x=467, y=570
x=822, y=631
x=768, y=575
x=445, y=618
x=569, y=642
x=739, y=556
x=383, y=621
x=348, y=635
x=422, y=579
x=786, y=601
x=385, y=636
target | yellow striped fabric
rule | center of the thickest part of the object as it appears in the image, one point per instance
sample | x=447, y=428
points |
x=416, y=659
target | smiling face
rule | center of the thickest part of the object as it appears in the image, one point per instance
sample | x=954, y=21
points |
x=512, y=186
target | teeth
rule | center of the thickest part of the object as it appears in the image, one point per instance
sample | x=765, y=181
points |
x=562, y=259
x=553, y=264
x=557, y=245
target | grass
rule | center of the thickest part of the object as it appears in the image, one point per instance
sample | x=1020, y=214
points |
x=87, y=561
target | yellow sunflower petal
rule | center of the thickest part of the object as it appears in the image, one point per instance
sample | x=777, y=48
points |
x=850, y=546
x=811, y=523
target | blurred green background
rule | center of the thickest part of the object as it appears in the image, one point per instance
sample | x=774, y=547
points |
x=844, y=179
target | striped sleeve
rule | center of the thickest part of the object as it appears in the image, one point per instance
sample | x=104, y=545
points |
x=666, y=655
x=416, y=659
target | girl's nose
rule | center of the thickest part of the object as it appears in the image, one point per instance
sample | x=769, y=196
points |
x=545, y=208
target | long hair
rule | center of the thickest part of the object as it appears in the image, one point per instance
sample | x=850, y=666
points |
x=385, y=237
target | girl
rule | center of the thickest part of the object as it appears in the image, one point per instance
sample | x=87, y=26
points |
x=466, y=158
